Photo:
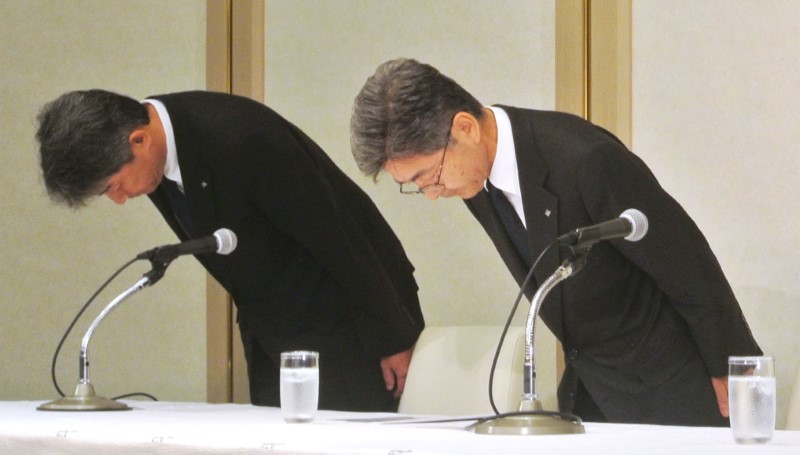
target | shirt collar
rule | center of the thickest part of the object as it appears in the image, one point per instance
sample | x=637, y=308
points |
x=171, y=170
x=504, y=173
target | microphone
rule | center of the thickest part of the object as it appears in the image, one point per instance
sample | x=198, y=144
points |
x=631, y=225
x=223, y=241
x=531, y=417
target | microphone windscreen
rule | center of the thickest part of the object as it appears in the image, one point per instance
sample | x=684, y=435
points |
x=639, y=224
x=226, y=241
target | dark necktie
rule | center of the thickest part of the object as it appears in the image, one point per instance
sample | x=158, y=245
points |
x=180, y=207
x=516, y=230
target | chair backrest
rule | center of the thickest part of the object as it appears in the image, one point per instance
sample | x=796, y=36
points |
x=449, y=371
x=793, y=417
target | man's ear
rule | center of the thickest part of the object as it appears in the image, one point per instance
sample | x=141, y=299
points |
x=466, y=127
x=138, y=138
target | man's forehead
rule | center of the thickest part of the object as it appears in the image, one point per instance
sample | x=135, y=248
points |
x=408, y=169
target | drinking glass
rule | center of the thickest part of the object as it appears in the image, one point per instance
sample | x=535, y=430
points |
x=751, y=398
x=299, y=385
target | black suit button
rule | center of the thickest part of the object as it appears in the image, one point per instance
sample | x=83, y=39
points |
x=572, y=354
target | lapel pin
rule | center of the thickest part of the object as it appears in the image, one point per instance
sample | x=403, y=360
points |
x=547, y=213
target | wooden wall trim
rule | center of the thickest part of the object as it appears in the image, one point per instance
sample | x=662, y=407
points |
x=593, y=69
x=247, y=49
x=572, y=78
x=610, y=57
x=234, y=64
x=218, y=304
x=572, y=57
x=594, y=62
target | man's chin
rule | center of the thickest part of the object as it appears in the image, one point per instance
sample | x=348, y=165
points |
x=465, y=195
x=150, y=189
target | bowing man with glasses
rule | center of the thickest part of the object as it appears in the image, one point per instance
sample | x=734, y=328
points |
x=646, y=327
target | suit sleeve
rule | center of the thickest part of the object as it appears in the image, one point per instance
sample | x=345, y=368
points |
x=304, y=195
x=674, y=252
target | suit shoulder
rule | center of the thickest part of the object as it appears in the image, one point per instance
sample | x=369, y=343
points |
x=547, y=120
x=560, y=127
x=201, y=96
x=519, y=113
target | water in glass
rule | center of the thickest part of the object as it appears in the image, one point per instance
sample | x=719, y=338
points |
x=752, y=406
x=299, y=393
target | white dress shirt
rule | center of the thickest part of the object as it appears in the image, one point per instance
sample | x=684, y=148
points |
x=171, y=169
x=504, y=174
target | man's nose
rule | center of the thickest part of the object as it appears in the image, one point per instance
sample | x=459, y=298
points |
x=117, y=196
x=434, y=194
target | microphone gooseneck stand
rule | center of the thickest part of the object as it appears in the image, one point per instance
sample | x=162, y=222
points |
x=531, y=418
x=84, y=398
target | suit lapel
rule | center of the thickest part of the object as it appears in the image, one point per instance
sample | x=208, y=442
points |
x=160, y=199
x=541, y=209
x=197, y=178
x=198, y=183
x=481, y=206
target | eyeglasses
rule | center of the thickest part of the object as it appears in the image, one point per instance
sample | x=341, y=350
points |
x=413, y=188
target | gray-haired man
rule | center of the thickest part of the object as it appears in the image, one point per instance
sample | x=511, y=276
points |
x=647, y=328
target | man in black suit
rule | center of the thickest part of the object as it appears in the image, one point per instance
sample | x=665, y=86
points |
x=316, y=267
x=646, y=327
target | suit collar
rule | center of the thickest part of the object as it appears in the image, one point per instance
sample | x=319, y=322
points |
x=541, y=206
x=504, y=174
x=171, y=170
x=195, y=173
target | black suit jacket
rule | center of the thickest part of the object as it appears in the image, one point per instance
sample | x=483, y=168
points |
x=312, y=247
x=636, y=309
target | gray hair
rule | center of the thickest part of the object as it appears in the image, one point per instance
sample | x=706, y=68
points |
x=404, y=109
x=83, y=137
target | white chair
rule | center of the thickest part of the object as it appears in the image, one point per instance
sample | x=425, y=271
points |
x=449, y=372
x=793, y=417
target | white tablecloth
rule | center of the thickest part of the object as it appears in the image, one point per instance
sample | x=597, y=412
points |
x=198, y=428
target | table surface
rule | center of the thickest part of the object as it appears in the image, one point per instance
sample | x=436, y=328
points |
x=183, y=428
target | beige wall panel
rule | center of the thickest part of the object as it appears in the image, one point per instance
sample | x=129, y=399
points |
x=318, y=55
x=715, y=114
x=52, y=258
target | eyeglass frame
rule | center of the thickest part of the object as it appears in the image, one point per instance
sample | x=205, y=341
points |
x=437, y=185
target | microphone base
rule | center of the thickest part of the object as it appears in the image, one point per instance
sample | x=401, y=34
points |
x=531, y=420
x=529, y=425
x=84, y=400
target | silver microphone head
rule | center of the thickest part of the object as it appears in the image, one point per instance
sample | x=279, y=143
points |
x=638, y=221
x=226, y=241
